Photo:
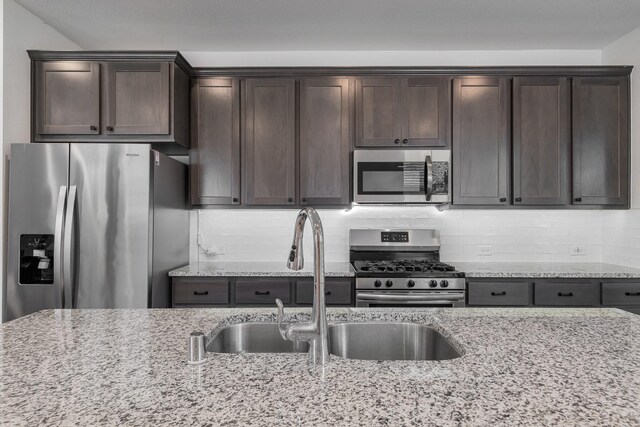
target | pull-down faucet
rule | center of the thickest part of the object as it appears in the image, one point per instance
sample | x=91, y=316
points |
x=315, y=331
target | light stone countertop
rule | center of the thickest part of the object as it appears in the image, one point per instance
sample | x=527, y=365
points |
x=259, y=269
x=528, y=366
x=564, y=270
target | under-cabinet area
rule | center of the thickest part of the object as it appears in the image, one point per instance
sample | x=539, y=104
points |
x=256, y=291
x=514, y=137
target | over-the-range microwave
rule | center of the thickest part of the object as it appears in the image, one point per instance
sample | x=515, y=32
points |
x=401, y=176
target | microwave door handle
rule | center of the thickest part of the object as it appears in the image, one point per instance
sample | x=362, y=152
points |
x=428, y=178
x=58, y=247
x=69, y=232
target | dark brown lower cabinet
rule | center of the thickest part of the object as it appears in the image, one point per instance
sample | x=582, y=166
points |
x=257, y=291
x=532, y=292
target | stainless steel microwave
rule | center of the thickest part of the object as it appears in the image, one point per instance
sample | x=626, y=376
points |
x=401, y=176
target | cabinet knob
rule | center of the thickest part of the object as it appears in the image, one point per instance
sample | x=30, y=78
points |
x=93, y=127
x=518, y=199
x=235, y=200
x=304, y=200
x=503, y=199
x=397, y=141
x=577, y=199
x=290, y=200
x=405, y=141
x=110, y=128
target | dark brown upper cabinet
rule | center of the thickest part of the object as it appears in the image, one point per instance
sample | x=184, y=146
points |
x=67, y=98
x=269, y=142
x=111, y=97
x=481, y=140
x=325, y=141
x=601, y=141
x=215, y=142
x=137, y=98
x=541, y=140
x=393, y=111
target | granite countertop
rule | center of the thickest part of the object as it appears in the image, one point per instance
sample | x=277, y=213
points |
x=564, y=270
x=128, y=367
x=259, y=269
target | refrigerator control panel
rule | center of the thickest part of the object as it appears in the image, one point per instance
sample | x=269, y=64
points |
x=36, y=259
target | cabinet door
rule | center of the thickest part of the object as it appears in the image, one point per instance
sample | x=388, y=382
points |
x=324, y=141
x=262, y=291
x=269, y=143
x=137, y=98
x=67, y=98
x=378, y=112
x=481, y=141
x=215, y=136
x=426, y=117
x=601, y=141
x=541, y=128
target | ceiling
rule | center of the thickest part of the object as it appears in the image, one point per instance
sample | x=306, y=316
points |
x=330, y=25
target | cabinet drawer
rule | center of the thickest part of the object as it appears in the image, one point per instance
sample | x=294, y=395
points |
x=201, y=292
x=499, y=293
x=262, y=291
x=566, y=294
x=620, y=293
x=336, y=292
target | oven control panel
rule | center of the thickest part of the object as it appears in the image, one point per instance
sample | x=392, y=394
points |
x=394, y=237
x=408, y=283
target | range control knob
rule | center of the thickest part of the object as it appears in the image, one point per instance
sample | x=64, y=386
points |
x=377, y=283
x=433, y=283
x=411, y=284
x=388, y=283
x=444, y=283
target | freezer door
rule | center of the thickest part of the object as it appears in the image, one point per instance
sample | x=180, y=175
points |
x=37, y=192
x=108, y=232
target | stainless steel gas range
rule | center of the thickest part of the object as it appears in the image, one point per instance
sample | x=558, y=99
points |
x=402, y=268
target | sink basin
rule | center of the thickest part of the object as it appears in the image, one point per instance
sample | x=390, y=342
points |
x=389, y=341
x=253, y=338
x=351, y=340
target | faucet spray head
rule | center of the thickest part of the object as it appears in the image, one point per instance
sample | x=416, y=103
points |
x=296, y=259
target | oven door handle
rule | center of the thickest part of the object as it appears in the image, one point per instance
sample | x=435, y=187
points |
x=408, y=297
x=428, y=178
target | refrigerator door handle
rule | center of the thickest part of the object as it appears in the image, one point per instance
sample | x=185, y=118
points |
x=69, y=223
x=58, y=247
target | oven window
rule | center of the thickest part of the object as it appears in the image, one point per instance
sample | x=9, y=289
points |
x=390, y=178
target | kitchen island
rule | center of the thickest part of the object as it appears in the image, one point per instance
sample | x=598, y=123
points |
x=528, y=366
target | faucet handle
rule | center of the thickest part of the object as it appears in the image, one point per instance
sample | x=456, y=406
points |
x=282, y=325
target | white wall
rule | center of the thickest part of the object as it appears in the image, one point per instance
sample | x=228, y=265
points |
x=21, y=31
x=393, y=58
x=621, y=230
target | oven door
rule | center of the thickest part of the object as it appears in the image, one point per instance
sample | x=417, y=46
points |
x=401, y=176
x=410, y=299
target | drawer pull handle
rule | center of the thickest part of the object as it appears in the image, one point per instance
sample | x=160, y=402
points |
x=201, y=293
x=565, y=294
x=327, y=293
x=263, y=293
x=498, y=294
x=632, y=294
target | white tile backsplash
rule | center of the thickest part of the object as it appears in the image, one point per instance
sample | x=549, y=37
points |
x=514, y=236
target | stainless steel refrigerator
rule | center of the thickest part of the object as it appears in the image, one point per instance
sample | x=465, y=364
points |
x=93, y=226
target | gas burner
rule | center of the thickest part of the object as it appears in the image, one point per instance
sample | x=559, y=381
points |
x=403, y=266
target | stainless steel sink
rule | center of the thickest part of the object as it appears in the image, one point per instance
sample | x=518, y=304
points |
x=389, y=341
x=351, y=340
x=254, y=338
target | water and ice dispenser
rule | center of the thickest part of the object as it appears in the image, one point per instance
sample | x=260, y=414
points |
x=36, y=259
